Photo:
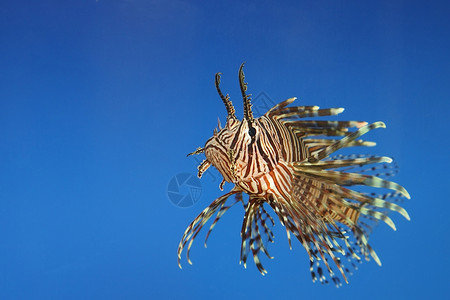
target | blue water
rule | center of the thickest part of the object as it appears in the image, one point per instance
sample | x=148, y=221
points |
x=100, y=102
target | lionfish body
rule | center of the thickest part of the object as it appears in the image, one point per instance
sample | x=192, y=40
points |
x=282, y=160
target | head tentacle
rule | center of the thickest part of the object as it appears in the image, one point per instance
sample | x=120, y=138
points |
x=248, y=114
x=226, y=99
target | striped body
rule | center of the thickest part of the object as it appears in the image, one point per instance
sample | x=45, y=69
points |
x=243, y=159
x=284, y=161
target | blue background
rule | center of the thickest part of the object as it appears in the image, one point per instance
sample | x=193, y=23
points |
x=100, y=102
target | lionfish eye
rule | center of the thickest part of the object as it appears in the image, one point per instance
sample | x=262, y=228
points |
x=252, y=131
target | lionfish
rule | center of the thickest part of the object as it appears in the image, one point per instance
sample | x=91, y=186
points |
x=282, y=160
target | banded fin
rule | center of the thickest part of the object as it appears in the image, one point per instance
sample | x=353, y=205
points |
x=344, y=141
x=349, y=179
x=256, y=217
x=194, y=228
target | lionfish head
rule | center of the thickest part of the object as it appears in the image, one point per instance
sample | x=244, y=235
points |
x=234, y=138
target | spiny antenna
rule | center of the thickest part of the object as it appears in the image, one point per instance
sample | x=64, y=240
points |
x=248, y=114
x=226, y=99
